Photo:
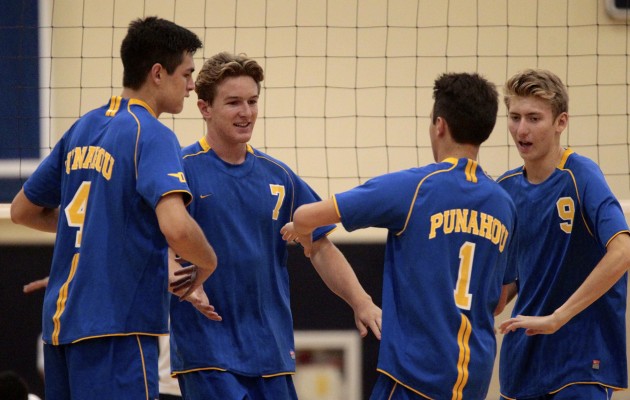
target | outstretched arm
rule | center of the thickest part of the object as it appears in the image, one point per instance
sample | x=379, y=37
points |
x=24, y=212
x=607, y=272
x=338, y=275
x=330, y=263
x=306, y=219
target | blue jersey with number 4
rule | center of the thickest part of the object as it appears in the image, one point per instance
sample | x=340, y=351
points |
x=450, y=232
x=107, y=174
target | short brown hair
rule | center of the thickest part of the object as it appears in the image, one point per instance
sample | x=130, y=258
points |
x=225, y=65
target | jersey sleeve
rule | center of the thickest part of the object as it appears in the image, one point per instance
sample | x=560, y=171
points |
x=304, y=194
x=43, y=187
x=159, y=168
x=382, y=202
x=603, y=211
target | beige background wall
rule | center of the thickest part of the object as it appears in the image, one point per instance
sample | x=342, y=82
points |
x=348, y=88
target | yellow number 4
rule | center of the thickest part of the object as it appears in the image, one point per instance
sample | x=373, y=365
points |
x=75, y=211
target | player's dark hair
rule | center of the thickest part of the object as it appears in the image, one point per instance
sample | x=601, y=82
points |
x=225, y=65
x=538, y=83
x=154, y=40
x=469, y=104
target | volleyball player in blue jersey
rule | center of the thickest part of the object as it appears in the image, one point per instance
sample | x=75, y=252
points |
x=113, y=190
x=450, y=233
x=242, y=198
x=574, y=251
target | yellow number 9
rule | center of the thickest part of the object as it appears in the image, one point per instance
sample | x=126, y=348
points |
x=566, y=212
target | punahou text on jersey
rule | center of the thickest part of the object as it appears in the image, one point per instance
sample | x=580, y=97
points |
x=469, y=221
x=90, y=157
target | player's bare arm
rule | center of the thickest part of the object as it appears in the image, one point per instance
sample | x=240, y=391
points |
x=290, y=235
x=306, y=218
x=508, y=293
x=35, y=285
x=310, y=216
x=338, y=275
x=186, y=238
x=24, y=212
x=608, y=271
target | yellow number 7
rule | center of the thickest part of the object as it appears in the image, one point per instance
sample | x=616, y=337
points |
x=277, y=190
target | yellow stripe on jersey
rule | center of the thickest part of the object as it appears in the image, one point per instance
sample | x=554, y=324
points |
x=62, y=299
x=463, y=339
x=336, y=206
x=144, y=368
x=114, y=105
x=565, y=157
x=415, y=195
x=471, y=171
x=178, y=175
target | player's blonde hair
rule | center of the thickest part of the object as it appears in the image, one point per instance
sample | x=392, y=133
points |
x=539, y=83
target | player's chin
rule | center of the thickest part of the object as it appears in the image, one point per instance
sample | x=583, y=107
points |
x=176, y=108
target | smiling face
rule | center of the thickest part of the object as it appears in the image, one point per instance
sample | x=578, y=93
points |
x=535, y=131
x=232, y=114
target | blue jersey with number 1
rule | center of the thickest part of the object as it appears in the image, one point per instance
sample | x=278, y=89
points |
x=450, y=229
x=107, y=174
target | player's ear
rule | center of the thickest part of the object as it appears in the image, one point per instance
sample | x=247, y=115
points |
x=204, y=108
x=562, y=121
x=156, y=72
x=441, y=126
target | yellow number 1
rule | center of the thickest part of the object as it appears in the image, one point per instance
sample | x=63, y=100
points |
x=463, y=297
x=75, y=211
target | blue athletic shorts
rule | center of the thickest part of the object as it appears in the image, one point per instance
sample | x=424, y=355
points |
x=213, y=384
x=386, y=388
x=111, y=367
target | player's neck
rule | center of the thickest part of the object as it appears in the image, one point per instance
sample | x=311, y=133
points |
x=232, y=153
x=459, y=150
x=143, y=95
x=538, y=170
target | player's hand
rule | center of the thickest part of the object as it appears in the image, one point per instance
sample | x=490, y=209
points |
x=290, y=234
x=200, y=301
x=545, y=325
x=35, y=285
x=368, y=315
x=182, y=281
